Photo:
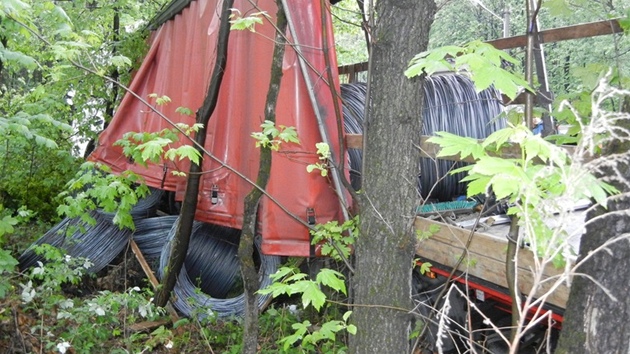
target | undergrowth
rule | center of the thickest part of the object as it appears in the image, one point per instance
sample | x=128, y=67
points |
x=56, y=307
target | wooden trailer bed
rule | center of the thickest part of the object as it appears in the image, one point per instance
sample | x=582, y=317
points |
x=486, y=255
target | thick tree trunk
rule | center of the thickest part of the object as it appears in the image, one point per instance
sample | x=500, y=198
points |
x=181, y=239
x=593, y=322
x=246, y=244
x=386, y=244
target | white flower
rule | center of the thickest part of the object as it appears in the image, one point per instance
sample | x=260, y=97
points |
x=66, y=304
x=28, y=293
x=87, y=264
x=63, y=346
x=169, y=345
x=38, y=270
x=145, y=310
x=135, y=288
x=96, y=308
x=63, y=314
x=67, y=258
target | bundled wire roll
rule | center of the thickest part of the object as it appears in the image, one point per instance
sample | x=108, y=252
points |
x=212, y=261
x=353, y=98
x=151, y=234
x=192, y=302
x=451, y=104
x=100, y=243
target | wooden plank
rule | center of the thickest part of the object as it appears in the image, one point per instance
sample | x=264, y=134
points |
x=352, y=69
x=486, y=258
x=149, y=273
x=584, y=30
x=147, y=325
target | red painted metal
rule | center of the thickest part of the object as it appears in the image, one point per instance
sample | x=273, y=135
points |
x=178, y=65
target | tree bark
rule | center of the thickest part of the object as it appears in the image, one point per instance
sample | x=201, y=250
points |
x=593, y=322
x=181, y=239
x=386, y=245
x=246, y=244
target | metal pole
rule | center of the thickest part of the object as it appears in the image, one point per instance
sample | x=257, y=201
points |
x=320, y=120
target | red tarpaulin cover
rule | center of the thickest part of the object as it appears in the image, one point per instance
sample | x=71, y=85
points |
x=179, y=65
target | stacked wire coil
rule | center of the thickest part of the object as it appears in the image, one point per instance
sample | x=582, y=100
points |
x=451, y=104
x=192, y=302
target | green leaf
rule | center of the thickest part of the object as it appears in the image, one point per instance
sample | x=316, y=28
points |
x=332, y=279
x=490, y=166
x=477, y=184
x=498, y=138
x=13, y=8
x=246, y=23
x=7, y=262
x=505, y=185
x=289, y=135
x=557, y=7
x=45, y=142
x=153, y=149
x=19, y=58
x=453, y=145
x=311, y=294
x=430, y=62
x=6, y=224
x=624, y=23
x=189, y=152
x=282, y=272
x=425, y=267
x=120, y=61
x=184, y=111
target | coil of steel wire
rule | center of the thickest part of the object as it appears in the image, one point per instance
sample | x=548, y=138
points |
x=451, y=104
x=216, y=263
x=100, y=242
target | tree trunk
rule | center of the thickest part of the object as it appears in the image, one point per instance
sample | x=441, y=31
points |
x=181, y=239
x=386, y=245
x=246, y=244
x=593, y=322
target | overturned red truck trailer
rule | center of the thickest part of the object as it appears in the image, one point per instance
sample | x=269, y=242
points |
x=179, y=65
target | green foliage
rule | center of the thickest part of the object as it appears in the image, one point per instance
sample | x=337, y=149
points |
x=543, y=177
x=350, y=42
x=238, y=22
x=82, y=324
x=94, y=187
x=481, y=61
x=153, y=147
x=48, y=106
x=272, y=137
x=7, y=265
x=289, y=281
x=459, y=22
x=310, y=339
x=557, y=7
x=425, y=234
x=185, y=111
x=160, y=100
x=425, y=267
x=336, y=238
x=323, y=153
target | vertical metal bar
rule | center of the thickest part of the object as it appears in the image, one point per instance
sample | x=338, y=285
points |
x=320, y=120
